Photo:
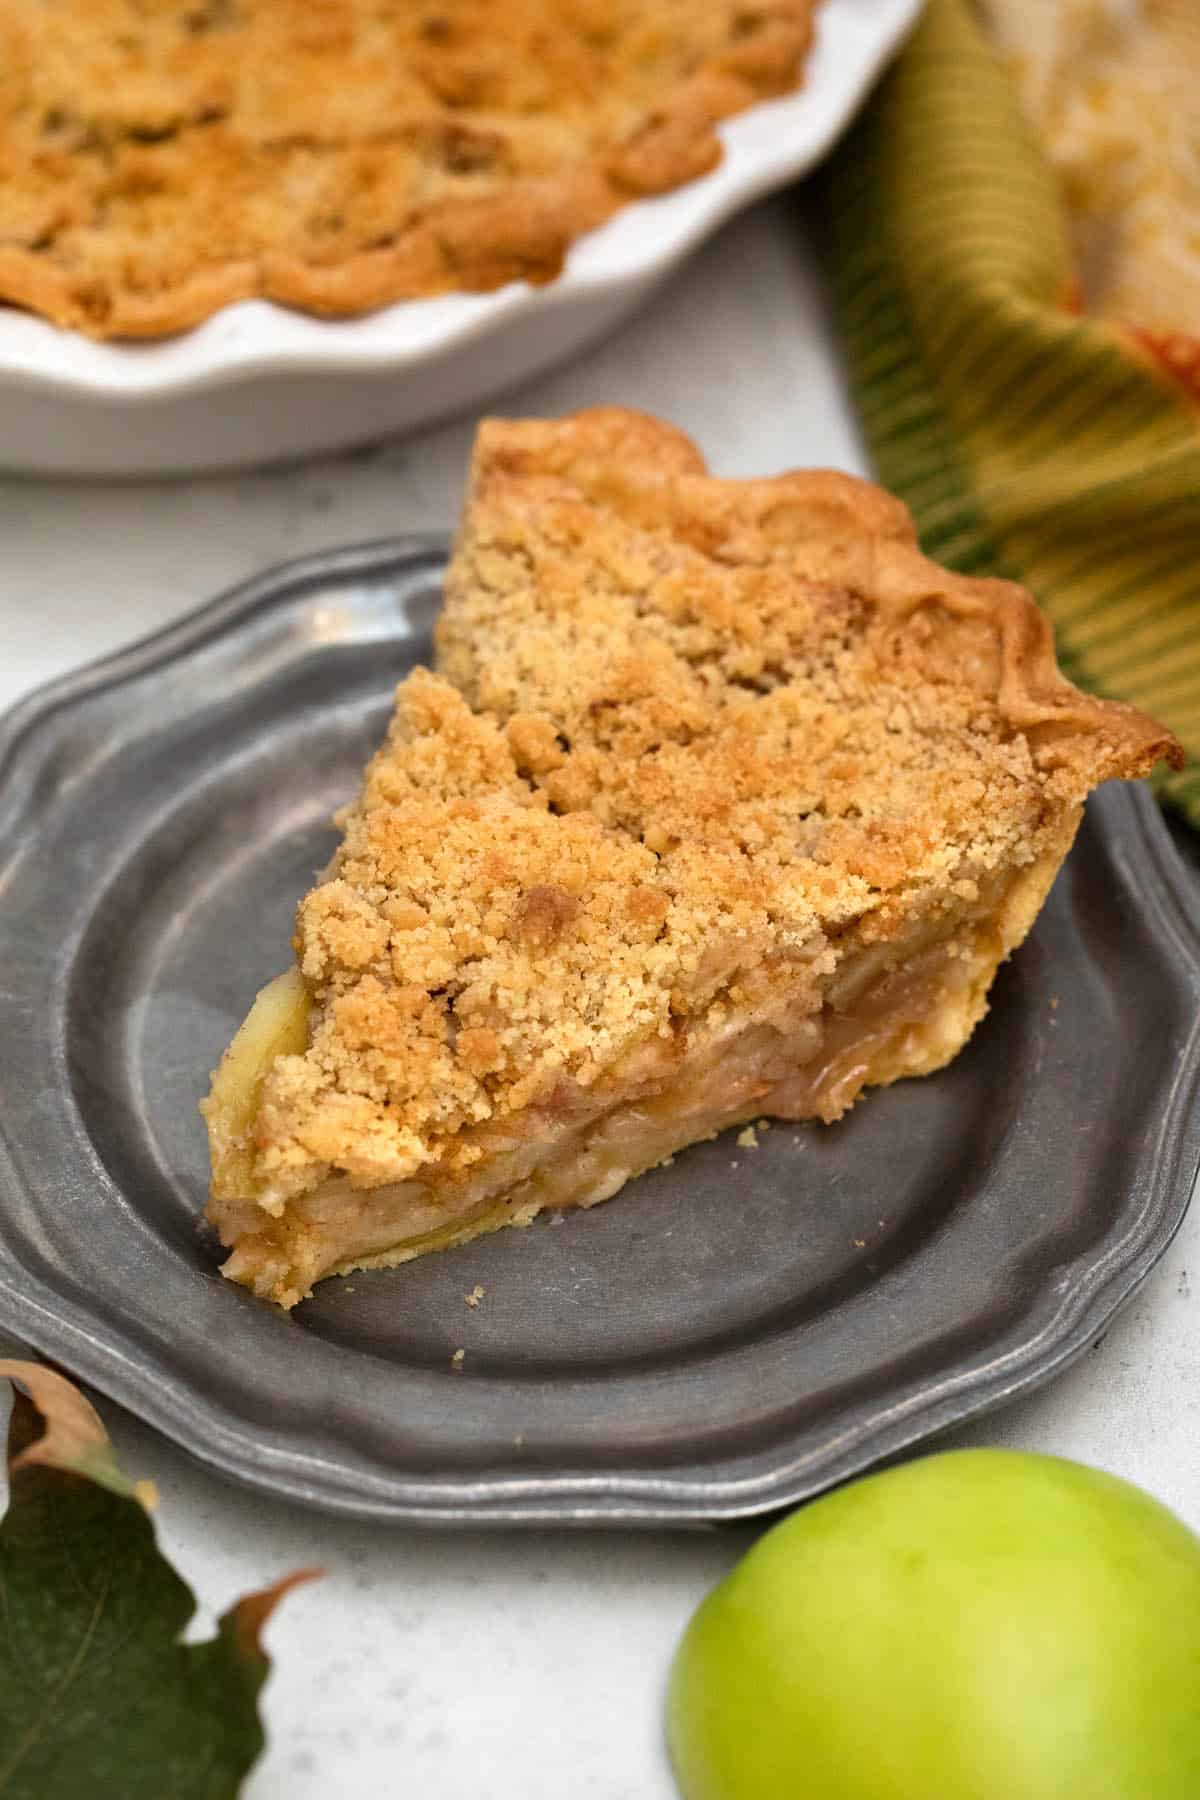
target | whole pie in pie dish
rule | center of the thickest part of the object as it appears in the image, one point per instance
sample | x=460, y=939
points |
x=162, y=158
x=722, y=802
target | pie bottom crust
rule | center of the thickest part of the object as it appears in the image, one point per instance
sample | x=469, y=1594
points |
x=888, y=1011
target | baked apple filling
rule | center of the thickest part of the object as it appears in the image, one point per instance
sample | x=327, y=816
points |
x=880, y=1019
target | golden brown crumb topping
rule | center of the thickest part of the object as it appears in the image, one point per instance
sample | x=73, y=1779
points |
x=689, y=736
x=159, y=158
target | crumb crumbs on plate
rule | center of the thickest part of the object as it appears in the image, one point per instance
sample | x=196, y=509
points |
x=475, y=1296
x=747, y=1138
x=457, y=1361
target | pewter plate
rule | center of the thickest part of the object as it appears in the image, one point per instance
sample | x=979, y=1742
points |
x=728, y=1336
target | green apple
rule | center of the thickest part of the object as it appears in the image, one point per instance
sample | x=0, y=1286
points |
x=979, y=1625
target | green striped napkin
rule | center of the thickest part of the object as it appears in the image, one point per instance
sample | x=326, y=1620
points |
x=1029, y=441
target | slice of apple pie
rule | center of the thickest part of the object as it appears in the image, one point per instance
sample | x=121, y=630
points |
x=722, y=802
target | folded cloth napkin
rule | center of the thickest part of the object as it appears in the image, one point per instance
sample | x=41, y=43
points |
x=1033, y=433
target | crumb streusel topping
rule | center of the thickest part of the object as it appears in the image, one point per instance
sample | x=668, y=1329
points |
x=161, y=158
x=688, y=736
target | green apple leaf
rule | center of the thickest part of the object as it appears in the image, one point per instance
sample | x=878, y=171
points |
x=98, y=1695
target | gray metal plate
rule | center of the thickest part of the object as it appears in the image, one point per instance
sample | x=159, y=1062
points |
x=731, y=1334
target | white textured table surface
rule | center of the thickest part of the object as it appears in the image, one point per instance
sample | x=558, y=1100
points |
x=472, y=1666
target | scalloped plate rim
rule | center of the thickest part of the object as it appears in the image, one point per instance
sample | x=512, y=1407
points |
x=103, y=1355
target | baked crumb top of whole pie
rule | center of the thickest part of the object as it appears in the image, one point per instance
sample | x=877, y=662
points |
x=160, y=158
x=687, y=736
